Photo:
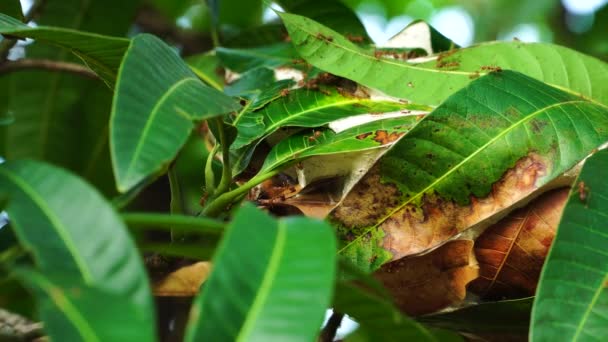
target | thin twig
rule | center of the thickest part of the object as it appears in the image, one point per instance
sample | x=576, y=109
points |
x=226, y=170
x=329, y=331
x=46, y=64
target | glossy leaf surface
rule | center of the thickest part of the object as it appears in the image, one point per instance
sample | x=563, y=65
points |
x=572, y=297
x=308, y=108
x=101, y=53
x=72, y=311
x=375, y=134
x=434, y=81
x=54, y=214
x=483, y=150
x=157, y=99
x=267, y=283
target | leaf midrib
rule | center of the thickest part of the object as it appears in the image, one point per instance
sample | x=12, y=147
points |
x=71, y=312
x=267, y=282
x=55, y=222
x=155, y=110
x=381, y=60
x=457, y=166
x=589, y=308
x=276, y=124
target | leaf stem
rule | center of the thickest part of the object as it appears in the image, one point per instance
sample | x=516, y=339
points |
x=176, y=205
x=209, y=174
x=181, y=223
x=331, y=328
x=45, y=64
x=226, y=170
x=220, y=203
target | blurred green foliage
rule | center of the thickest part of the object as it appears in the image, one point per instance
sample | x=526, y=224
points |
x=492, y=19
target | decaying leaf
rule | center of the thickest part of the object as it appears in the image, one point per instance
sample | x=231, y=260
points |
x=466, y=165
x=511, y=252
x=428, y=283
x=184, y=282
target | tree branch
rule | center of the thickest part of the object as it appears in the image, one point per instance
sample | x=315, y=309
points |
x=329, y=331
x=46, y=64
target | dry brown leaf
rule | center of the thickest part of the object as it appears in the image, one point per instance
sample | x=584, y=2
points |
x=415, y=227
x=511, y=252
x=428, y=283
x=184, y=282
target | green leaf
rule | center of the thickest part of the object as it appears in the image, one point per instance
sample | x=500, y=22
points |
x=307, y=108
x=268, y=283
x=241, y=14
x=505, y=131
x=432, y=82
x=375, y=134
x=419, y=34
x=378, y=317
x=572, y=297
x=271, y=56
x=12, y=8
x=503, y=317
x=205, y=66
x=72, y=311
x=251, y=82
x=263, y=35
x=64, y=117
x=71, y=230
x=101, y=53
x=331, y=13
x=157, y=99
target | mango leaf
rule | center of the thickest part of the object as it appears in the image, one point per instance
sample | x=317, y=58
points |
x=308, y=108
x=572, y=297
x=262, y=35
x=58, y=234
x=73, y=311
x=375, y=134
x=428, y=283
x=267, y=283
x=56, y=102
x=251, y=82
x=432, y=82
x=512, y=252
x=486, y=148
x=12, y=8
x=331, y=13
x=271, y=56
x=207, y=66
x=101, y=53
x=501, y=318
x=157, y=99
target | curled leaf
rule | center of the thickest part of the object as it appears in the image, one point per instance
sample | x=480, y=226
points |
x=511, y=253
x=185, y=281
x=428, y=283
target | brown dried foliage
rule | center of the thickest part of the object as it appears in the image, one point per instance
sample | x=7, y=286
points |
x=431, y=282
x=413, y=229
x=511, y=253
x=185, y=281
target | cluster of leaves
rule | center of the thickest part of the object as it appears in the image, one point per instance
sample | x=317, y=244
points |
x=448, y=168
